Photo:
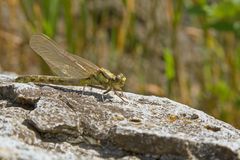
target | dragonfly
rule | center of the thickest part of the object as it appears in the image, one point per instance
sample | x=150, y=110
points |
x=71, y=69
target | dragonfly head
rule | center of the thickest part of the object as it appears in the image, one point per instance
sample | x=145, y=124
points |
x=119, y=81
x=108, y=78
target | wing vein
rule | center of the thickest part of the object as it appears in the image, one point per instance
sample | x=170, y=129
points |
x=61, y=62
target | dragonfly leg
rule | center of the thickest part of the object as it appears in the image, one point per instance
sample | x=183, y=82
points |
x=119, y=95
x=103, y=97
x=108, y=90
x=83, y=90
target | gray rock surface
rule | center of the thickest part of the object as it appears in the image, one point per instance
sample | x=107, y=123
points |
x=42, y=121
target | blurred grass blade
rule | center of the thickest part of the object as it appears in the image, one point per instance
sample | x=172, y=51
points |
x=169, y=64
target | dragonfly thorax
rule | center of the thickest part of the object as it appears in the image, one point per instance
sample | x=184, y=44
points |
x=107, y=74
x=108, y=79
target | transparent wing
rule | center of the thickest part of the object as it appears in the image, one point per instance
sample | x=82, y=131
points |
x=61, y=62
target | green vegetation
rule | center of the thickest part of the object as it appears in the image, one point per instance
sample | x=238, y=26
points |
x=185, y=50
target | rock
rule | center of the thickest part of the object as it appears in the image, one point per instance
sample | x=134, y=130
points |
x=43, y=121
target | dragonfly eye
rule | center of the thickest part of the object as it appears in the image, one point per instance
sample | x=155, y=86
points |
x=121, y=78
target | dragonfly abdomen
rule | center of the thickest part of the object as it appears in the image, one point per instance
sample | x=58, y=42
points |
x=49, y=79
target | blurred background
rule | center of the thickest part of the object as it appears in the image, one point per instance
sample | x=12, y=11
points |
x=186, y=50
